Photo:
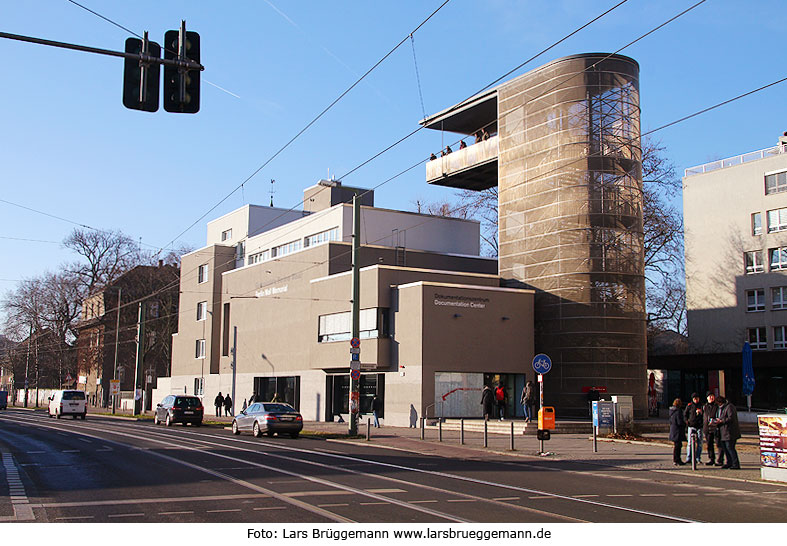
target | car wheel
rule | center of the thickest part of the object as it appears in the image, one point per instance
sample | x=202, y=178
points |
x=235, y=429
x=269, y=433
x=155, y=419
x=197, y=423
x=257, y=431
x=83, y=416
x=74, y=417
x=168, y=422
x=294, y=435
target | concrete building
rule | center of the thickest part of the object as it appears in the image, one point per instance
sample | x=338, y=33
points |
x=735, y=215
x=274, y=286
x=562, y=145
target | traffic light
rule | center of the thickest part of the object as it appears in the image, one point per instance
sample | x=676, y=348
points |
x=136, y=94
x=181, y=86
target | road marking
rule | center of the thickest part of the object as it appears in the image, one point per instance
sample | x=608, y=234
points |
x=461, y=500
x=209, y=498
x=421, y=501
x=35, y=452
x=175, y=513
x=584, y=496
x=84, y=440
x=16, y=492
x=105, y=448
x=626, y=495
x=320, y=493
x=272, y=508
x=75, y=517
x=385, y=490
x=221, y=511
x=684, y=494
x=652, y=495
x=505, y=498
x=332, y=505
x=70, y=451
x=373, y=503
x=139, y=514
x=541, y=497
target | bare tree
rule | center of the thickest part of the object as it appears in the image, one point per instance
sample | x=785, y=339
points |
x=108, y=254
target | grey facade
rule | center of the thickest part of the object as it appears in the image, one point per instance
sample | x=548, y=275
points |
x=567, y=167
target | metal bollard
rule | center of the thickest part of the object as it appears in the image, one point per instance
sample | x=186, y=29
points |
x=368, y=429
x=512, y=436
x=439, y=430
x=486, y=434
x=461, y=431
x=595, y=439
x=423, y=424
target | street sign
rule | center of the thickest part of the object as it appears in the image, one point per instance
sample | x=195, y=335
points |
x=603, y=414
x=540, y=378
x=355, y=343
x=355, y=350
x=355, y=365
x=355, y=374
x=355, y=356
x=542, y=363
x=114, y=387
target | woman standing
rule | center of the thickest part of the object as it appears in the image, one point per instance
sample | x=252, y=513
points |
x=677, y=431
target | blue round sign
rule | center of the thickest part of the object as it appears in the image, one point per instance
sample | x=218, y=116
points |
x=542, y=363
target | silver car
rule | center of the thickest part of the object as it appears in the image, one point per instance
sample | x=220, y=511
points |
x=268, y=418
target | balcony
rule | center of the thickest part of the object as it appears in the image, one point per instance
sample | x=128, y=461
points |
x=472, y=168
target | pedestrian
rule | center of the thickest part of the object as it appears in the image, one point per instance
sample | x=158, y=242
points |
x=253, y=398
x=377, y=407
x=487, y=402
x=693, y=416
x=677, y=431
x=275, y=398
x=528, y=398
x=228, y=406
x=500, y=398
x=711, y=432
x=218, y=402
x=729, y=432
x=243, y=408
x=462, y=145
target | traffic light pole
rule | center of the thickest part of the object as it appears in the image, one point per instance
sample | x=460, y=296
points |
x=140, y=355
x=177, y=63
x=356, y=310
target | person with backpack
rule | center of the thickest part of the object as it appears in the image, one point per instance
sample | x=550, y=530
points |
x=500, y=398
x=693, y=415
x=528, y=399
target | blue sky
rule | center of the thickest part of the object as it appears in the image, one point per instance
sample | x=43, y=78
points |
x=68, y=147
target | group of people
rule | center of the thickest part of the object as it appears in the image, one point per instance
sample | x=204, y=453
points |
x=478, y=135
x=716, y=421
x=496, y=399
x=223, y=402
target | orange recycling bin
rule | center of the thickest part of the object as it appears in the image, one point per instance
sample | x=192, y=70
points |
x=546, y=418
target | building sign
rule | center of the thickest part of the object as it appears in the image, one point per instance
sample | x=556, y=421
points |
x=773, y=440
x=603, y=414
x=271, y=291
x=460, y=301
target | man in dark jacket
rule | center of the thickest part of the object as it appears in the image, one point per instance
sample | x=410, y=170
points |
x=487, y=402
x=729, y=432
x=219, y=403
x=228, y=405
x=710, y=412
x=693, y=416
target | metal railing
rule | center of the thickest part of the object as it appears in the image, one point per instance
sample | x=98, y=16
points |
x=462, y=159
x=736, y=160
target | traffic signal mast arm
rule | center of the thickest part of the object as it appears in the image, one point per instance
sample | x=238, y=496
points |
x=186, y=64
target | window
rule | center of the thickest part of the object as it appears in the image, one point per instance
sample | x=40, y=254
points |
x=322, y=237
x=202, y=310
x=259, y=257
x=756, y=223
x=227, y=234
x=199, y=386
x=286, y=248
x=758, y=338
x=753, y=262
x=779, y=297
x=240, y=251
x=202, y=274
x=780, y=337
x=775, y=183
x=200, y=352
x=777, y=220
x=778, y=258
x=755, y=300
x=338, y=326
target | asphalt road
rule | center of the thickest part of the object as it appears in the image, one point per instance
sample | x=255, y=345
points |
x=109, y=470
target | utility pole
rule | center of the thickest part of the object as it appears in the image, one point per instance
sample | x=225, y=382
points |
x=356, y=313
x=117, y=344
x=140, y=355
x=234, y=363
x=27, y=363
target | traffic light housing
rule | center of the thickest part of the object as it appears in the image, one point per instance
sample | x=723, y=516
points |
x=173, y=102
x=132, y=78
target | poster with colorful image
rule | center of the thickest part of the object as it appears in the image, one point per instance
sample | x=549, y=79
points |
x=773, y=440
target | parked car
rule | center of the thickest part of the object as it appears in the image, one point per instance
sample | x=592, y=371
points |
x=68, y=402
x=179, y=408
x=268, y=418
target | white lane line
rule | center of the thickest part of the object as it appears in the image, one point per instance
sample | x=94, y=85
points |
x=138, y=514
x=332, y=505
x=652, y=495
x=320, y=493
x=684, y=494
x=175, y=513
x=461, y=500
x=35, y=452
x=421, y=501
x=75, y=517
x=585, y=496
x=503, y=499
x=16, y=492
x=222, y=511
x=541, y=497
x=626, y=495
x=271, y=508
x=70, y=451
x=373, y=503
x=84, y=440
x=115, y=502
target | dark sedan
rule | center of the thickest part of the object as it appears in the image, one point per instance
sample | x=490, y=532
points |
x=179, y=409
x=268, y=418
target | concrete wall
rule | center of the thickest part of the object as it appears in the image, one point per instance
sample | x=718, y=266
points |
x=248, y=221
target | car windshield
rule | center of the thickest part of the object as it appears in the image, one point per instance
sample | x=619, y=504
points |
x=73, y=395
x=183, y=402
x=279, y=408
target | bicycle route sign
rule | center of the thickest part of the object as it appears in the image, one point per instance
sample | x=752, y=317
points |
x=542, y=363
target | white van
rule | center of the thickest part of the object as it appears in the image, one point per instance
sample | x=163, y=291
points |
x=68, y=403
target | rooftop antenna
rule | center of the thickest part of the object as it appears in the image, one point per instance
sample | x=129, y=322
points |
x=272, y=190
